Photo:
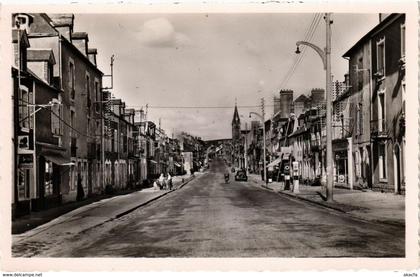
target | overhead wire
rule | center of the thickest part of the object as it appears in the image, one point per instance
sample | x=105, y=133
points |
x=308, y=37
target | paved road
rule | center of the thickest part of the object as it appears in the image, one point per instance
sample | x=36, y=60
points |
x=208, y=218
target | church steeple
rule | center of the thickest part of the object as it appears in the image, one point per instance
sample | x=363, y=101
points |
x=236, y=124
x=236, y=119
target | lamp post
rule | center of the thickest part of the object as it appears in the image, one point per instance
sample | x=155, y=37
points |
x=263, y=125
x=326, y=59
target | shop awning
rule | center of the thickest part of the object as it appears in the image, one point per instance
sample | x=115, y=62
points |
x=153, y=161
x=177, y=164
x=274, y=163
x=57, y=158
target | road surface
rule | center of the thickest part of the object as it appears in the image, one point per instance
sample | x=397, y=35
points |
x=208, y=218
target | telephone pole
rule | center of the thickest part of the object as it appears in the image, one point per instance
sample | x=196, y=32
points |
x=330, y=180
x=264, y=146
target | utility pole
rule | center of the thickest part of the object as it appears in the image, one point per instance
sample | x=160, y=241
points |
x=263, y=125
x=326, y=59
x=330, y=180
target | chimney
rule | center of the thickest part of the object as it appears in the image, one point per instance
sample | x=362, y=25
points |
x=63, y=23
x=92, y=52
x=382, y=16
x=286, y=103
x=23, y=20
x=80, y=40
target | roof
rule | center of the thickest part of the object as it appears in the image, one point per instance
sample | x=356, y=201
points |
x=42, y=24
x=371, y=32
x=40, y=81
x=81, y=55
x=36, y=54
x=62, y=19
x=92, y=51
x=23, y=36
x=79, y=35
x=302, y=98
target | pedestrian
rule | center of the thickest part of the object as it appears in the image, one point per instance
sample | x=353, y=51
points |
x=80, y=191
x=162, y=181
x=169, y=181
x=156, y=186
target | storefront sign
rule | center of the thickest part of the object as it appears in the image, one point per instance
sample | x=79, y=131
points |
x=26, y=160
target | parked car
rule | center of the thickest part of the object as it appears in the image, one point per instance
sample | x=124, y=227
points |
x=241, y=176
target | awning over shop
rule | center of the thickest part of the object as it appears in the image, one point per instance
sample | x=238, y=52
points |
x=153, y=161
x=274, y=163
x=177, y=164
x=57, y=158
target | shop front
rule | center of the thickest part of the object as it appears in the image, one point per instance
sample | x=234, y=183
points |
x=51, y=166
x=341, y=166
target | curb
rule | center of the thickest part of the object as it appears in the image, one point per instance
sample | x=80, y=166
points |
x=152, y=199
x=325, y=205
x=268, y=188
x=107, y=220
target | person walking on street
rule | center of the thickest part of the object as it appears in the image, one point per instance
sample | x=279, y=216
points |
x=169, y=181
x=80, y=191
x=162, y=181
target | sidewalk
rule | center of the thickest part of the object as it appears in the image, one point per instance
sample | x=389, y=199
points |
x=380, y=207
x=35, y=219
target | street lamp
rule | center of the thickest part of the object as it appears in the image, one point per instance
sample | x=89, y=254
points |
x=326, y=60
x=263, y=125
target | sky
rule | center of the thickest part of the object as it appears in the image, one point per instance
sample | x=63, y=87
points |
x=174, y=61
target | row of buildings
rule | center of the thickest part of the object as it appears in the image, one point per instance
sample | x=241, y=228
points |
x=72, y=139
x=368, y=124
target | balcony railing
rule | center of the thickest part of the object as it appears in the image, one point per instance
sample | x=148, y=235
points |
x=378, y=128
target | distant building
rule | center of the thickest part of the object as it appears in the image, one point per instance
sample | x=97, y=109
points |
x=300, y=105
x=317, y=97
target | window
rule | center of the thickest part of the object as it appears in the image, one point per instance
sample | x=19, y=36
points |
x=72, y=80
x=380, y=57
x=360, y=73
x=403, y=40
x=23, y=183
x=71, y=123
x=55, y=120
x=98, y=129
x=24, y=101
x=88, y=90
x=382, y=161
x=48, y=178
x=97, y=96
x=381, y=110
x=88, y=126
x=359, y=123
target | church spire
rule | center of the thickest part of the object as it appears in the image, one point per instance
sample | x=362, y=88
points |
x=236, y=119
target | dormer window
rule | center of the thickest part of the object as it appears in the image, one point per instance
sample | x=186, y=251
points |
x=41, y=62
